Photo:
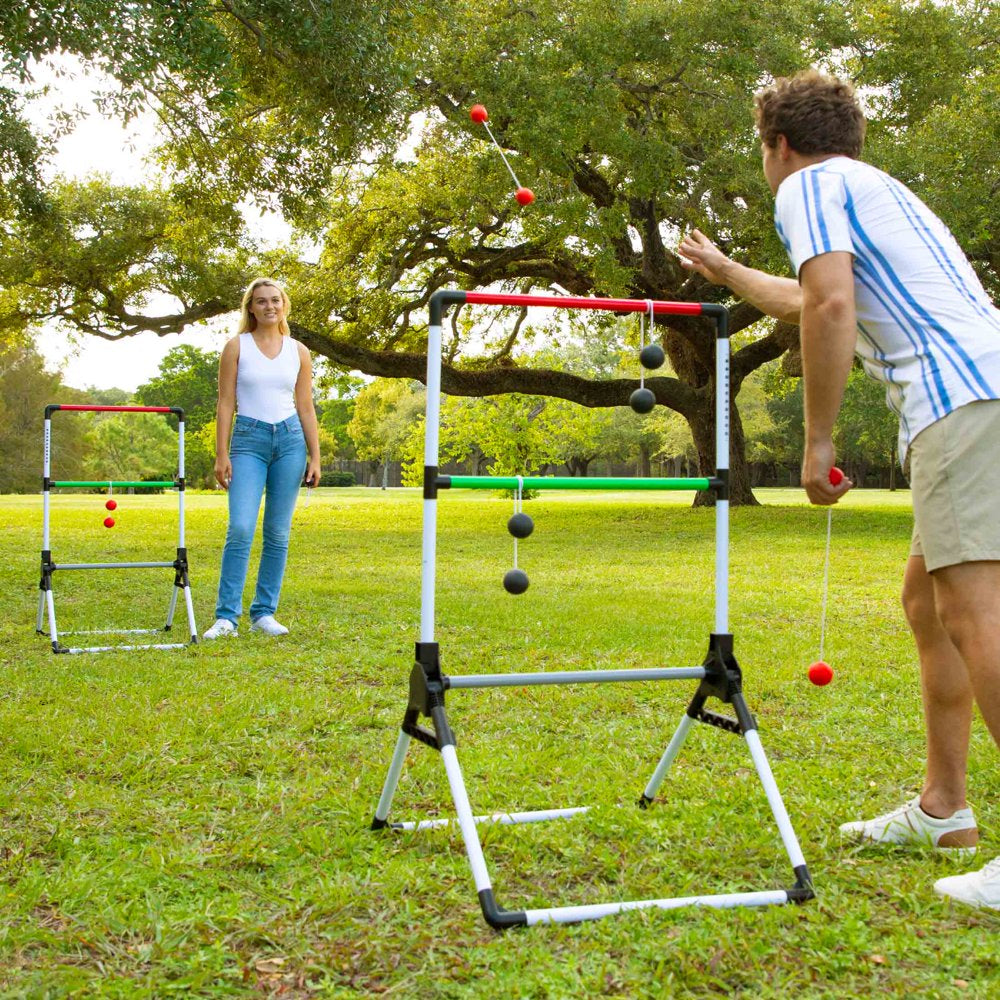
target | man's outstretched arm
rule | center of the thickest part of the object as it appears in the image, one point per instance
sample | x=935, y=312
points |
x=772, y=295
x=828, y=334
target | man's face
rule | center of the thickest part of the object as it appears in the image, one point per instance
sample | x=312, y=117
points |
x=774, y=171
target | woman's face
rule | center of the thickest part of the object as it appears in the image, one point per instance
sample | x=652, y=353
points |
x=267, y=305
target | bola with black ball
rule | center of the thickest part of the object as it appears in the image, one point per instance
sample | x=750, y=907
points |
x=520, y=526
x=642, y=401
x=652, y=356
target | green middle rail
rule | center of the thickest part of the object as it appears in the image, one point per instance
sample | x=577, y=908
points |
x=114, y=483
x=570, y=483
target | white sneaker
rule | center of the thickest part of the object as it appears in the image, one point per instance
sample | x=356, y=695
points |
x=910, y=826
x=981, y=888
x=269, y=625
x=222, y=627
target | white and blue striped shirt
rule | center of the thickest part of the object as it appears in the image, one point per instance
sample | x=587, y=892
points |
x=926, y=327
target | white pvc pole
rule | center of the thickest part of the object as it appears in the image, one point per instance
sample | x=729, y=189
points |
x=722, y=506
x=575, y=677
x=392, y=778
x=774, y=798
x=575, y=914
x=180, y=475
x=501, y=819
x=466, y=820
x=431, y=434
x=45, y=492
x=673, y=748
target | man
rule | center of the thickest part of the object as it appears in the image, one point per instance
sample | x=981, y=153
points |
x=880, y=275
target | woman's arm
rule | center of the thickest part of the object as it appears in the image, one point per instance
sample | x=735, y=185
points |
x=307, y=415
x=225, y=409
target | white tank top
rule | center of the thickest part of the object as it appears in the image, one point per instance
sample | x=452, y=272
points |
x=265, y=387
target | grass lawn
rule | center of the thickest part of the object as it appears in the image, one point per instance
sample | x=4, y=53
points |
x=196, y=822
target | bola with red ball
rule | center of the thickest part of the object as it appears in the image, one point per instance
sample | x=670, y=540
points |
x=111, y=504
x=820, y=673
x=109, y=522
x=522, y=195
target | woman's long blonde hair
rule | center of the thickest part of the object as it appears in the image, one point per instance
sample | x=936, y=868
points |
x=248, y=322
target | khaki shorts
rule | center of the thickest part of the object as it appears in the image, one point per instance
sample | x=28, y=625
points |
x=955, y=478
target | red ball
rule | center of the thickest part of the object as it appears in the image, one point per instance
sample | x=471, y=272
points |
x=111, y=504
x=836, y=476
x=524, y=196
x=820, y=673
x=109, y=522
x=478, y=114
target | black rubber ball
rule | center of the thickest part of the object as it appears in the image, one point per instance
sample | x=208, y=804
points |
x=520, y=526
x=642, y=400
x=515, y=581
x=652, y=356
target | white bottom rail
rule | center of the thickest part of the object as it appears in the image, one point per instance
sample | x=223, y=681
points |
x=502, y=819
x=575, y=914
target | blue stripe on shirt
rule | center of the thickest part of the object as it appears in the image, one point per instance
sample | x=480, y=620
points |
x=810, y=209
x=940, y=253
x=929, y=374
x=826, y=245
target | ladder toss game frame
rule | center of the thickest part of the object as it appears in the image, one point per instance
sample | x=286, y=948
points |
x=718, y=677
x=182, y=583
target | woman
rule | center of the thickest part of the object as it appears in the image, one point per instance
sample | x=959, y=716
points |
x=267, y=376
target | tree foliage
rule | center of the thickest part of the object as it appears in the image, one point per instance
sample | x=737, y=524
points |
x=630, y=119
x=26, y=388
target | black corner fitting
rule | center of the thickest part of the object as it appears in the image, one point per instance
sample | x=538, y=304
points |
x=441, y=299
x=498, y=918
x=721, y=316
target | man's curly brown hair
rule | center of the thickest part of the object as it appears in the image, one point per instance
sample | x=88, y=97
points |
x=814, y=112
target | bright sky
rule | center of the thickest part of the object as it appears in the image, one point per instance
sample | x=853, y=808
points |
x=106, y=146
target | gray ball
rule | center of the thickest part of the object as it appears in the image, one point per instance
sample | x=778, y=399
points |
x=515, y=581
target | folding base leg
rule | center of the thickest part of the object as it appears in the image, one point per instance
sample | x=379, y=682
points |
x=721, y=679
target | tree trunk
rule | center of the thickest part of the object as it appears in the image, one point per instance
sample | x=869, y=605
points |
x=644, y=464
x=702, y=426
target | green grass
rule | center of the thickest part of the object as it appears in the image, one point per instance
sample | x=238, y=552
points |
x=195, y=823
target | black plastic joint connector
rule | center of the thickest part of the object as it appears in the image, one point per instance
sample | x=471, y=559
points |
x=430, y=482
x=379, y=824
x=428, y=654
x=441, y=299
x=498, y=918
x=720, y=484
x=721, y=316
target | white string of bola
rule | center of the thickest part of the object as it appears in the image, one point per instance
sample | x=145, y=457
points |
x=826, y=581
x=518, y=507
x=642, y=337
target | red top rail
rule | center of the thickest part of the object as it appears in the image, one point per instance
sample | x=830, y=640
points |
x=113, y=409
x=581, y=302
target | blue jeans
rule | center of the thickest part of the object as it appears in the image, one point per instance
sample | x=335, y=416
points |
x=269, y=460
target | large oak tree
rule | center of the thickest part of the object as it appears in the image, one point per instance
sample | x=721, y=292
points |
x=629, y=118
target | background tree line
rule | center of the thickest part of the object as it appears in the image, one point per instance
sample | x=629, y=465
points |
x=629, y=118
x=380, y=423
